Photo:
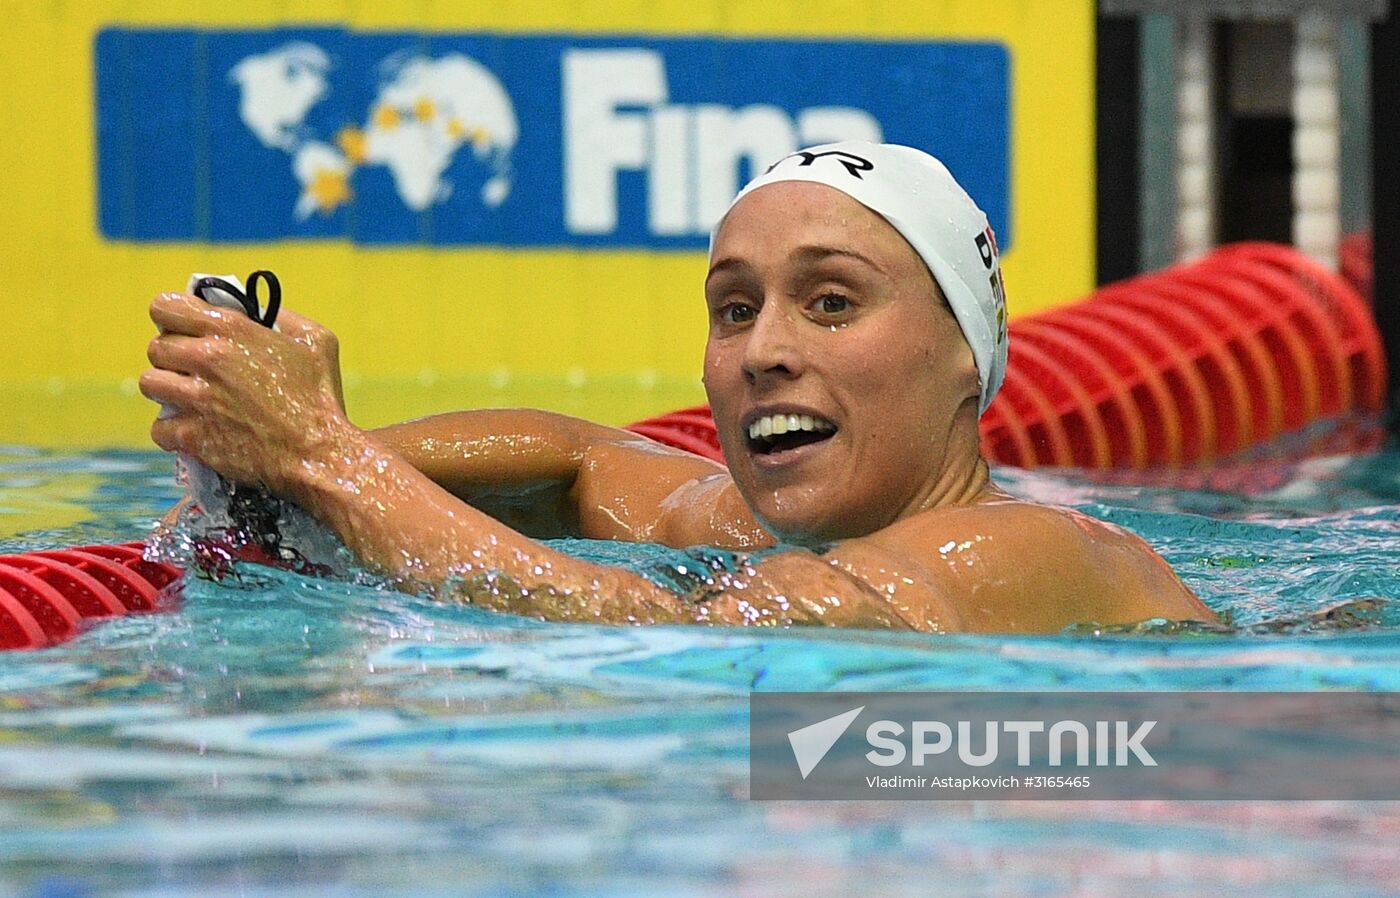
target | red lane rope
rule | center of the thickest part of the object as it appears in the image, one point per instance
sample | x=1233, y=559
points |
x=1050, y=444
x=1086, y=435
x=1125, y=432
x=1311, y=323
x=1217, y=366
x=1005, y=439
x=1224, y=303
x=48, y=597
x=1191, y=395
x=88, y=596
x=1348, y=307
x=49, y=607
x=18, y=628
x=1357, y=265
x=1149, y=394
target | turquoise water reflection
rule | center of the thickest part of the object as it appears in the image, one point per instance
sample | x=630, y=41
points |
x=282, y=733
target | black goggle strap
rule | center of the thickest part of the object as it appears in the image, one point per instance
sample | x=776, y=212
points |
x=266, y=316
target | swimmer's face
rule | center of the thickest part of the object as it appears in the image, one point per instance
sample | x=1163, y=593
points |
x=823, y=316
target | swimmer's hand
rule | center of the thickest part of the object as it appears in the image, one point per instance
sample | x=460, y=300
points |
x=249, y=402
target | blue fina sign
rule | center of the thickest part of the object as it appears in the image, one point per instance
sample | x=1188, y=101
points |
x=504, y=139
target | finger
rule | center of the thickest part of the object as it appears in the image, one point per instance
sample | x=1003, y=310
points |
x=171, y=434
x=180, y=313
x=178, y=391
x=180, y=353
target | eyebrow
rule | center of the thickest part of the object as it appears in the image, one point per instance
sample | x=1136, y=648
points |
x=728, y=263
x=816, y=253
x=810, y=254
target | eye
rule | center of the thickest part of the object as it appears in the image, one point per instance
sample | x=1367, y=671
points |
x=737, y=313
x=833, y=304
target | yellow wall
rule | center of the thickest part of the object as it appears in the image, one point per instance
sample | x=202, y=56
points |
x=615, y=335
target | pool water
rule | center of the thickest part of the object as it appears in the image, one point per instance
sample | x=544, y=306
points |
x=282, y=735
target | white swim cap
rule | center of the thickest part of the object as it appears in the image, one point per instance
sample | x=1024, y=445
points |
x=918, y=196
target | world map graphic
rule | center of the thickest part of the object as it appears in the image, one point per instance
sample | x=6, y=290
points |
x=426, y=110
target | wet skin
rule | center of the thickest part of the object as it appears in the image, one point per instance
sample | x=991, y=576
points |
x=818, y=308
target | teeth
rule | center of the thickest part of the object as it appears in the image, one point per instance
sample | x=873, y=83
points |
x=770, y=426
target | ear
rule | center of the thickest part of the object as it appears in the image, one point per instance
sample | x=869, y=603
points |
x=968, y=380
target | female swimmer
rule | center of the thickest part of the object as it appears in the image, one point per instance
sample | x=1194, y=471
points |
x=857, y=331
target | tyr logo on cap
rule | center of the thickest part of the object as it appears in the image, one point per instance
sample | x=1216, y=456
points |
x=853, y=163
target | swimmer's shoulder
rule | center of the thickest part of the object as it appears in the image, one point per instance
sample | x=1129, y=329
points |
x=709, y=511
x=1015, y=566
x=632, y=488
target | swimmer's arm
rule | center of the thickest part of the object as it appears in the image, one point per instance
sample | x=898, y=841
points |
x=517, y=465
x=551, y=475
x=262, y=407
x=400, y=522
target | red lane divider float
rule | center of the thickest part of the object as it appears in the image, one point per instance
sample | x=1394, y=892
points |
x=1350, y=310
x=49, y=597
x=1171, y=368
x=691, y=429
x=1358, y=263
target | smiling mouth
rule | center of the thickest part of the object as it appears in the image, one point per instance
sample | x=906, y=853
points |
x=773, y=434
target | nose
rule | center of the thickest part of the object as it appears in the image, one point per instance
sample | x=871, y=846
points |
x=773, y=347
